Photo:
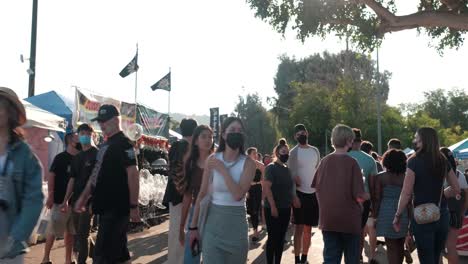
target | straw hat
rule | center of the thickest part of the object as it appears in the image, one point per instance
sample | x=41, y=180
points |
x=11, y=96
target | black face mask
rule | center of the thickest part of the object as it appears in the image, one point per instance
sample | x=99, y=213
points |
x=284, y=158
x=235, y=140
x=302, y=139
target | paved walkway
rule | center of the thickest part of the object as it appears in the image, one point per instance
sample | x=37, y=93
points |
x=150, y=247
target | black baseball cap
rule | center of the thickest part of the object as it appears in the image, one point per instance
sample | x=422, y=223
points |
x=106, y=112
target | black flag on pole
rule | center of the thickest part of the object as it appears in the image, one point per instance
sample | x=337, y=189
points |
x=214, y=122
x=163, y=84
x=131, y=67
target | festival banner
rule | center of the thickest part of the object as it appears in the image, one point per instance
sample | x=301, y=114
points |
x=214, y=122
x=153, y=122
x=128, y=113
x=87, y=106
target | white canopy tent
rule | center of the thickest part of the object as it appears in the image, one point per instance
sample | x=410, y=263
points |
x=40, y=118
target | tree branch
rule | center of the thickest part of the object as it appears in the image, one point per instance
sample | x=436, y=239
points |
x=381, y=11
x=427, y=19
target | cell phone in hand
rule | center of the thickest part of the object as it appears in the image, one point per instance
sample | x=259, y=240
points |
x=195, y=247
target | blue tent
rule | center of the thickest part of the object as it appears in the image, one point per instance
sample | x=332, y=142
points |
x=457, y=147
x=463, y=154
x=53, y=103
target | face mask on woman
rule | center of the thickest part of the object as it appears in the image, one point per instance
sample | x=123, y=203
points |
x=235, y=140
x=283, y=158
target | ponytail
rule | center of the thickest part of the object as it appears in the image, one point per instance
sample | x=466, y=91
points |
x=281, y=143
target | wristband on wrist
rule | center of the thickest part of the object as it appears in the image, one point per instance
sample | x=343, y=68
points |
x=193, y=228
x=133, y=206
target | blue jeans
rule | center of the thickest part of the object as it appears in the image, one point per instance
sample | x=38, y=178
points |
x=335, y=244
x=430, y=238
x=188, y=258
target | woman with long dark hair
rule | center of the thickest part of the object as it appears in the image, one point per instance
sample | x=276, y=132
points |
x=279, y=190
x=456, y=210
x=202, y=147
x=229, y=173
x=20, y=181
x=424, y=181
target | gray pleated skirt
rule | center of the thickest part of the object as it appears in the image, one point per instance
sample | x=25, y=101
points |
x=225, y=238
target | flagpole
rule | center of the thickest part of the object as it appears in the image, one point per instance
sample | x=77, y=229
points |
x=169, y=97
x=136, y=77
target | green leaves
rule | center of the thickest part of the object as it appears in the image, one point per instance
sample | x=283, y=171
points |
x=364, y=24
x=261, y=133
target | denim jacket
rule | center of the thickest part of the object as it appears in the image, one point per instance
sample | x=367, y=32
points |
x=25, y=200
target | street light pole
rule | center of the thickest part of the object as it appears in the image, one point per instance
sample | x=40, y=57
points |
x=32, y=57
x=379, y=108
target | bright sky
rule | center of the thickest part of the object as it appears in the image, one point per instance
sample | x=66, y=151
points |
x=213, y=47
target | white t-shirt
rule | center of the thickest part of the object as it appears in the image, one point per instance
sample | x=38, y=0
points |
x=307, y=161
x=221, y=194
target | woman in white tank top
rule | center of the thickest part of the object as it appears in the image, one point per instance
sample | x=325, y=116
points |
x=225, y=235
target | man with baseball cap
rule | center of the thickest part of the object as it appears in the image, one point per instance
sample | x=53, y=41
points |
x=115, y=185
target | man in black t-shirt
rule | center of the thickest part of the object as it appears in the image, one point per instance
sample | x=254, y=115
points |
x=81, y=168
x=115, y=181
x=61, y=222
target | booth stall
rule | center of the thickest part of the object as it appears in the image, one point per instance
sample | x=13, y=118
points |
x=41, y=133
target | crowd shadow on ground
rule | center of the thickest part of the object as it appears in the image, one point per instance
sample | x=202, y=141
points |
x=149, y=246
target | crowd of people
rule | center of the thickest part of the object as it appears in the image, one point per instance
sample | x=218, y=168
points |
x=83, y=181
x=415, y=201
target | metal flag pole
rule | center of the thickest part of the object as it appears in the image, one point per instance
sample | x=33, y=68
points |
x=379, y=109
x=169, y=95
x=136, y=74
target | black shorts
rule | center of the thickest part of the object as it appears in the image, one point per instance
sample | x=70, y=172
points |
x=308, y=214
x=365, y=212
x=111, y=241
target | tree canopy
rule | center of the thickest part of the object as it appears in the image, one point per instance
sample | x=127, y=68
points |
x=365, y=22
x=325, y=70
x=258, y=123
x=326, y=89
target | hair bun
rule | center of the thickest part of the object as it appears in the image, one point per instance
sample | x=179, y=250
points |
x=282, y=142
